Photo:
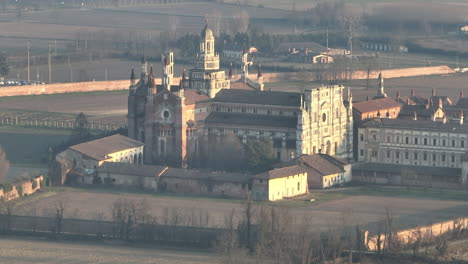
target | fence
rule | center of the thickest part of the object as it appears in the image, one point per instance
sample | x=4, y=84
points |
x=58, y=124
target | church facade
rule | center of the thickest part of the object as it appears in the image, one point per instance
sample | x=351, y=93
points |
x=207, y=106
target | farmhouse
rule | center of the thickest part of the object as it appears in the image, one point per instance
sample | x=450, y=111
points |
x=205, y=183
x=127, y=175
x=280, y=183
x=323, y=171
x=84, y=158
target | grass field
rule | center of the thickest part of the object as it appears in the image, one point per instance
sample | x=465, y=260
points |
x=362, y=206
x=30, y=146
x=19, y=251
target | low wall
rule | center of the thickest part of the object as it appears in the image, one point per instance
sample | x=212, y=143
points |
x=76, y=87
x=408, y=236
x=26, y=188
x=357, y=75
x=57, y=88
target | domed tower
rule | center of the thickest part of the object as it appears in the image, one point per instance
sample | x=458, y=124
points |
x=207, y=77
x=207, y=59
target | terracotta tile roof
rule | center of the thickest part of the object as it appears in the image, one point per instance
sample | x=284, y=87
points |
x=281, y=172
x=98, y=149
x=131, y=169
x=193, y=96
x=420, y=110
x=375, y=105
x=322, y=164
x=241, y=86
x=258, y=97
x=427, y=125
x=251, y=119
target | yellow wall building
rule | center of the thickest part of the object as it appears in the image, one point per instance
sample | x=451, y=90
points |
x=280, y=183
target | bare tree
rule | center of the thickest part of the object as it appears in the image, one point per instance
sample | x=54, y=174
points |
x=59, y=211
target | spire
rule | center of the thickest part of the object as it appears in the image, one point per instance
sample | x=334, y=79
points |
x=151, y=71
x=302, y=101
x=183, y=75
x=144, y=69
x=380, y=89
x=462, y=116
x=461, y=93
x=230, y=71
x=132, y=77
x=433, y=92
x=398, y=95
x=412, y=92
x=378, y=113
x=415, y=115
x=259, y=71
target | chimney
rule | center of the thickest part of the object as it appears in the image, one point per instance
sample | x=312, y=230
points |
x=407, y=100
x=398, y=95
x=461, y=93
x=433, y=92
x=415, y=116
x=412, y=92
x=461, y=117
x=378, y=113
x=441, y=105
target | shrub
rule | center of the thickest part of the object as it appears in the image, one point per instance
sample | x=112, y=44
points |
x=19, y=189
x=34, y=184
x=7, y=187
x=42, y=183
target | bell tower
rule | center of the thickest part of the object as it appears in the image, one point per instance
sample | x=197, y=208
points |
x=167, y=61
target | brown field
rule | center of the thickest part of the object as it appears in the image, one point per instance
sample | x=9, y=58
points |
x=18, y=251
x=443, y=85
x=360, y=209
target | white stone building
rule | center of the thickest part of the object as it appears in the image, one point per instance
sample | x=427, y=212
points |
x=423, y=146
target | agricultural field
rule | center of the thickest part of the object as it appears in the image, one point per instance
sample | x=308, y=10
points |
x=18, y=251
x=359, y=205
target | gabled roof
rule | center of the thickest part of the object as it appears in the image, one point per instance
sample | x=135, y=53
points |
x=375, y=105
x=258, y=97
x=99, y=149
x=281, y=172
x=322, y=165
x=420, y=110
x=251, y=119
x=462, y=102
x=241, y=86
x=193, y=96
x=131, y=169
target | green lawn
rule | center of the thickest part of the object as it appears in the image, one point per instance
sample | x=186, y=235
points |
x=30, y=145
x=320, y=196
